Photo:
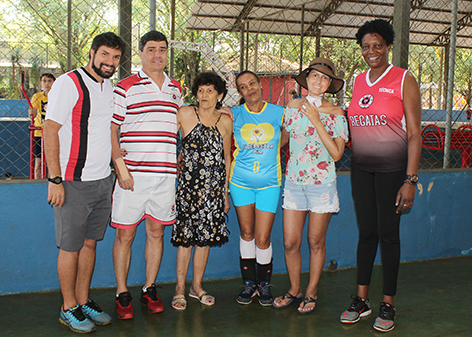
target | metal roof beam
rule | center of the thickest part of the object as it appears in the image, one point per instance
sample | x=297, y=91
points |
x=243, y=15
x=328, y=11
x=443, y=38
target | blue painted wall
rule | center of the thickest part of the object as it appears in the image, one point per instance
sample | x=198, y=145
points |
x=438, y=226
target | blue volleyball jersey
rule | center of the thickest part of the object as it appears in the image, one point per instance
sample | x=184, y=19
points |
x=256, y=162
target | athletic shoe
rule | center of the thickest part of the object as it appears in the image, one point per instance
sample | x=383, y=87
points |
x=265, y=295
x=124, y=308
x=384, y=322
x=93, y=311
x=359, y=308
x=248, y=292
x=150, y=299
x=75, y=319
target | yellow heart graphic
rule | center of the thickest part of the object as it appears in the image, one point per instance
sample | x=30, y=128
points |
x=257, y=134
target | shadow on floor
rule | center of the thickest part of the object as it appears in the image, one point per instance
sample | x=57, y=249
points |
x=434, y=299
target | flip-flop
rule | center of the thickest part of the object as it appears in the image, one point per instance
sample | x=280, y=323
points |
x=306, y=301
x=203, y=298
x=179, y=300
x=292, y=299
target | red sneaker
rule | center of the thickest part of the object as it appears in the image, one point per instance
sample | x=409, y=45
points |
x=124, y=308
x=150, y=299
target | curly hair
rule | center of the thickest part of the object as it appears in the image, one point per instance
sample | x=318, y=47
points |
x=210, y=78
x=380, y=27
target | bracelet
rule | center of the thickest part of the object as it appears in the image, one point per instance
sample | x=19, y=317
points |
x=226, y=189
x=409, y=182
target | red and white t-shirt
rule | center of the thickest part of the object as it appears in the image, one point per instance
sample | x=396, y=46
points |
x=377, y=122
x=147, y=117
x=84, y=108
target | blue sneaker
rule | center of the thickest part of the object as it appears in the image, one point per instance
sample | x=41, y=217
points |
x=75, y=319
x=93, y=311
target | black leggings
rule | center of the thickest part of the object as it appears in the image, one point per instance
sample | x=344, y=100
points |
x=374, y=197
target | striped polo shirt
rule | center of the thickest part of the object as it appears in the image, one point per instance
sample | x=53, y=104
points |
x=147, y=116
x=84, y=108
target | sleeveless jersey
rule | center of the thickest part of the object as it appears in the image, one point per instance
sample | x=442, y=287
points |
x=377, y=122
x=256, y=162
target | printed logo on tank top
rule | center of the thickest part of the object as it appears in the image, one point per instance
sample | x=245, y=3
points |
x=368, y=120
x=390, y=91
x=366, y=101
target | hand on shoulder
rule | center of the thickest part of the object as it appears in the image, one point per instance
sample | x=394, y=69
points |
x=295, y=103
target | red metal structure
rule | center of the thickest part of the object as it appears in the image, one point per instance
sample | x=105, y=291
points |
x=461, y=139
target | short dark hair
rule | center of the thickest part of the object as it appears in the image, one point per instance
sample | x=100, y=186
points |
x=152, y=35
x=210, y=78
x=51, y=76
x=242, y=100
x=380, y=27
x=108, y=39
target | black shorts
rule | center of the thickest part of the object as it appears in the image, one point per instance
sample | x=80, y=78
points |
x=37, y=147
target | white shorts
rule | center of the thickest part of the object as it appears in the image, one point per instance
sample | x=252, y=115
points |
x=153, y=197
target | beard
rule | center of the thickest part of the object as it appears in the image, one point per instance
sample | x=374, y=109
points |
x=100, y=72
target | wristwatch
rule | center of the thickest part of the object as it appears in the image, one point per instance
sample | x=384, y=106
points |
x=411, y=179
x=55, y=180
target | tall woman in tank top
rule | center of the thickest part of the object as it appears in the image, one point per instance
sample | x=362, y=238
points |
x=318, y=133
x=384, y=117
x=255, y=184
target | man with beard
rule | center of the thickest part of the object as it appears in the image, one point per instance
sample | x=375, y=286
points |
x=78, y=151
x=146, y=107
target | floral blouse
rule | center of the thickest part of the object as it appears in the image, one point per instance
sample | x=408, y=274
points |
x=310, y=162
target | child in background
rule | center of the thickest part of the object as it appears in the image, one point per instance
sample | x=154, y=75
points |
x=39, y=101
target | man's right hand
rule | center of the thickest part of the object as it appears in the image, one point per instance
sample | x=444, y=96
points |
x=56, y=194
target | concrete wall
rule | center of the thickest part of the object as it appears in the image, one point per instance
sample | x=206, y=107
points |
x=438, y=226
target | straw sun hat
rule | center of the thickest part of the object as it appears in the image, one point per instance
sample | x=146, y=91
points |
x=326, y=67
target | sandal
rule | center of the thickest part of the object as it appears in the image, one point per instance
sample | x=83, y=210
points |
x=179, y=299
x=204, y=298
x=307, y=300
x=292, y=299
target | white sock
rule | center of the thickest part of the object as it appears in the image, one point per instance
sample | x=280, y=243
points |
x=247, y=249
x=264, y=256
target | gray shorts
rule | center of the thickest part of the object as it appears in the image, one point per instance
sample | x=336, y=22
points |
x=85, y=213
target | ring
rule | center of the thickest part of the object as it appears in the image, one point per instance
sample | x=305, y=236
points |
x=404, y=205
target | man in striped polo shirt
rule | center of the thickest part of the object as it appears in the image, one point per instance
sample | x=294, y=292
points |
x=78, y=151
x=146, y=107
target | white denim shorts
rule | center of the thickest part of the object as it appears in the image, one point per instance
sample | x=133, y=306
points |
x=321, y=198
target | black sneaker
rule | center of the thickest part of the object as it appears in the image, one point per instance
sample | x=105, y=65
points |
x=359, y=308
x=384, y=322
x=248, y=292
x=265, y=296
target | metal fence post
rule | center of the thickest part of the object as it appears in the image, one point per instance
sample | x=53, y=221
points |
x=450, y=85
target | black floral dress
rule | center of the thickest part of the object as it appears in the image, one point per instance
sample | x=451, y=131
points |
x=200, y=196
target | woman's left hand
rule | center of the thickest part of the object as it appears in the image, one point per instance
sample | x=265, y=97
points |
x=405, y=197
x=227, y=203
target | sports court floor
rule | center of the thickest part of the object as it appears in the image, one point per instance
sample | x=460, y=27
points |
x=434, y=299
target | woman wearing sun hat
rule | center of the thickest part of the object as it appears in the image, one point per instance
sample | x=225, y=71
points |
x=318, y=133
